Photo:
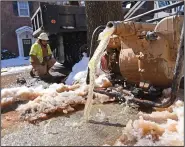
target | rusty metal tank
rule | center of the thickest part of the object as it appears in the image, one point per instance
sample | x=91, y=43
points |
x=148, y=51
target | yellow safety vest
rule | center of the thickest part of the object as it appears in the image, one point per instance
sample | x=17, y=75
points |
x=36, y=50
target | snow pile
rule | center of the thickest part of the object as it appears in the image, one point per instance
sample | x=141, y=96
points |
x=14, y=70
x=50, y=103
x=161, y=128
x=56, y=98
x=24, y=93
x=63, y=99
x=20, y=61
x=79, y=73
x=11, y=95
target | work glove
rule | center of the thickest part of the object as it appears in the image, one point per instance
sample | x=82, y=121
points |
x=47, y=58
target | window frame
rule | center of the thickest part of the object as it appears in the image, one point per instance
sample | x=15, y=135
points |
x=18, y=7
x=166, y=3
x=160, y=3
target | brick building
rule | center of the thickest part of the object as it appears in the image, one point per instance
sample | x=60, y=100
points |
x=16, y=30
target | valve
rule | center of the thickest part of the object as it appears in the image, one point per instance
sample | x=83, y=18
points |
x=151, y=36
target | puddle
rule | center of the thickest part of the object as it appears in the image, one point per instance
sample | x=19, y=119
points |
x=105, y=126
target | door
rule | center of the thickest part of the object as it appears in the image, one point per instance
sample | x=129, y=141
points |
x=26, y=46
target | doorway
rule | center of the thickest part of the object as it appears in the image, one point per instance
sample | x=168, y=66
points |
x=24, y=40
x=26, y=46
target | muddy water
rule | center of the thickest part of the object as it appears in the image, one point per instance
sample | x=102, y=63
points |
x=92, y=67
x=105, y=126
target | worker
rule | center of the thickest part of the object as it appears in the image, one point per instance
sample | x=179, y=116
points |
x=41, y=57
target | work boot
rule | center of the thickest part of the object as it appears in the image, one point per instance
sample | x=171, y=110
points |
x=47, y=77
x=31, y=73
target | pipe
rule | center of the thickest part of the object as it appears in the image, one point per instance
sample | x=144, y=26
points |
x=157, y=10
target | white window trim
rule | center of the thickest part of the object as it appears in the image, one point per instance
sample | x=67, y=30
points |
x=19, y=10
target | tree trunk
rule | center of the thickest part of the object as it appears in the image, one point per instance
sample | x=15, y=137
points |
x=99, y=13
x=178, y=71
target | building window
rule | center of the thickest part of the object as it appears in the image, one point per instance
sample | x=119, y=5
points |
x=23, y=9
x=163, y=3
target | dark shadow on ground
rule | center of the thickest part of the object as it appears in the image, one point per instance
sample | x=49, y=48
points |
x=57, y=114
x=12, y=107
x=106, y=123
x=54, y=79
x=60, y=69
x=58, y=74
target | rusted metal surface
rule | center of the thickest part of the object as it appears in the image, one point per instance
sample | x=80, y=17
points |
x=149, y=55
x=148, y=60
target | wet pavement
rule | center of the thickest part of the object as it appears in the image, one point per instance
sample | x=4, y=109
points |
x=105, y=126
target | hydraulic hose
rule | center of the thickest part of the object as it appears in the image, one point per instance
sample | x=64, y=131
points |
x=92, y=47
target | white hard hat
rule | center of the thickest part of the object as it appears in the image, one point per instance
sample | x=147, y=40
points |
x=43, y=36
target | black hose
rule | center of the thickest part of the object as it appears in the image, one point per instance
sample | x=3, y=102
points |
x=119, y=95
x=94, y=36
